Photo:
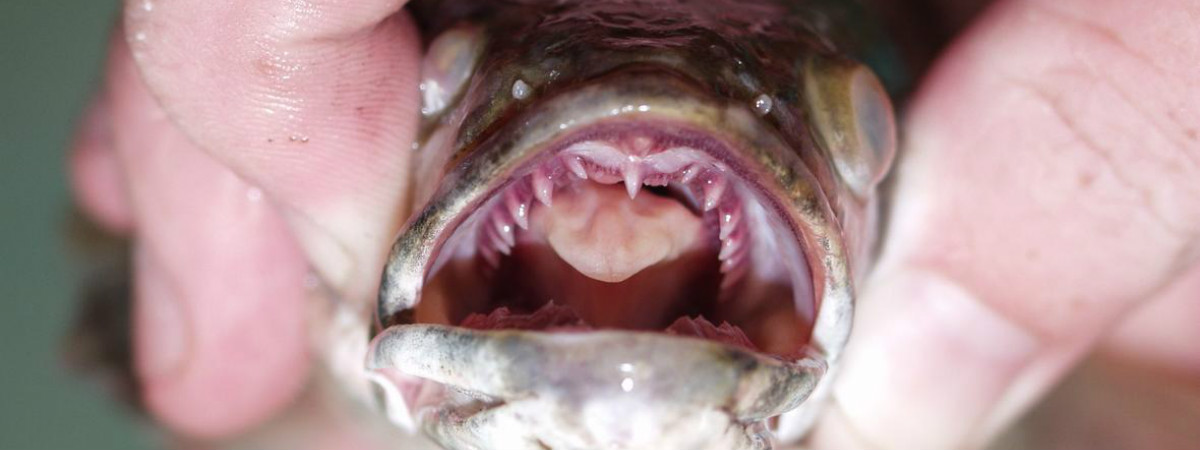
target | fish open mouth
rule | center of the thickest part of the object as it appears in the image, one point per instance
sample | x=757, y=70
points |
x=645, y=255
x=630, y=227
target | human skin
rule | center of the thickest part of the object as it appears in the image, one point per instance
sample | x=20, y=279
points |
x=1049, y=186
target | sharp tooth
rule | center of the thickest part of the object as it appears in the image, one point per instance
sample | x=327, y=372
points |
x=497, y=242
x=714, y=188
x=733, y=276
x=727, y=265
x=518, y=208
x=734, y=260
x=731, y=217
x=729, y=246
x=575, y=165
x=543, y=186
x=633, y=179
x=689, y=174
x=504, y=229
x=489, y=253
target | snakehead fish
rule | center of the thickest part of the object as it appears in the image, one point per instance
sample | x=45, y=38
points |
x=637, y=224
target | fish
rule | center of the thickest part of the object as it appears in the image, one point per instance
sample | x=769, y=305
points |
x=636, y=224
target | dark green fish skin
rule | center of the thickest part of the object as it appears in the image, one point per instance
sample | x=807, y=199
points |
x=736, y=50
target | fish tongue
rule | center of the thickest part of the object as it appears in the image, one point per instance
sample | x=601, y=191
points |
x=609, y=237
x=620, y=262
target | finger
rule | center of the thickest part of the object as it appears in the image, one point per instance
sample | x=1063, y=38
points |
x=219, y=321
x=1162, y=335
x=314, y=102
x=96, y=177
x=1146, y=369
x=1049, y=185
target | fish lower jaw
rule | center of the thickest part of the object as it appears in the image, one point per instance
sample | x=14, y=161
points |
x=525, y=390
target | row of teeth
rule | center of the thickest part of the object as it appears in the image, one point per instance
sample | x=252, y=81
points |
x=607, y=165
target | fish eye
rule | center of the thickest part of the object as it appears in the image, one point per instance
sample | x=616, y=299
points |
x=852, y=120
x=449, y=63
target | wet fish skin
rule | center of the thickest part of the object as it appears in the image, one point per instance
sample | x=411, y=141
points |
x=776, y=83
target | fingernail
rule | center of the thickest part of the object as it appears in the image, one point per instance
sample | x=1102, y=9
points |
x=927, y=361
x=160, y=325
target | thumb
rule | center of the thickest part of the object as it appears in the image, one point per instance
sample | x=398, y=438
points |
x=314, y=102
x=1050, y=186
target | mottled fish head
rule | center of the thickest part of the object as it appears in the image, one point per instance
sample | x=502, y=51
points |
x=636, y=224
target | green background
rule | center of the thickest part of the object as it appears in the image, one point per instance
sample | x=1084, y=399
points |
x=51, y=54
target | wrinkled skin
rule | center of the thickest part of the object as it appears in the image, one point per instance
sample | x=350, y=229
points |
x=1047, y=192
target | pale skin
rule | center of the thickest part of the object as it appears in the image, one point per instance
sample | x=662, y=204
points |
x=1049, y=188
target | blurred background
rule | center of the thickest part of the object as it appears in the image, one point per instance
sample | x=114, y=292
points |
x=50, y=64
x=51, y=55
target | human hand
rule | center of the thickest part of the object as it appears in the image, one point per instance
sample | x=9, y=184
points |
x=1048, y=186
x=266, y=139
x=245, y=146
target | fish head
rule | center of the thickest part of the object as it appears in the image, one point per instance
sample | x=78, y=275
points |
x=637, y=224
